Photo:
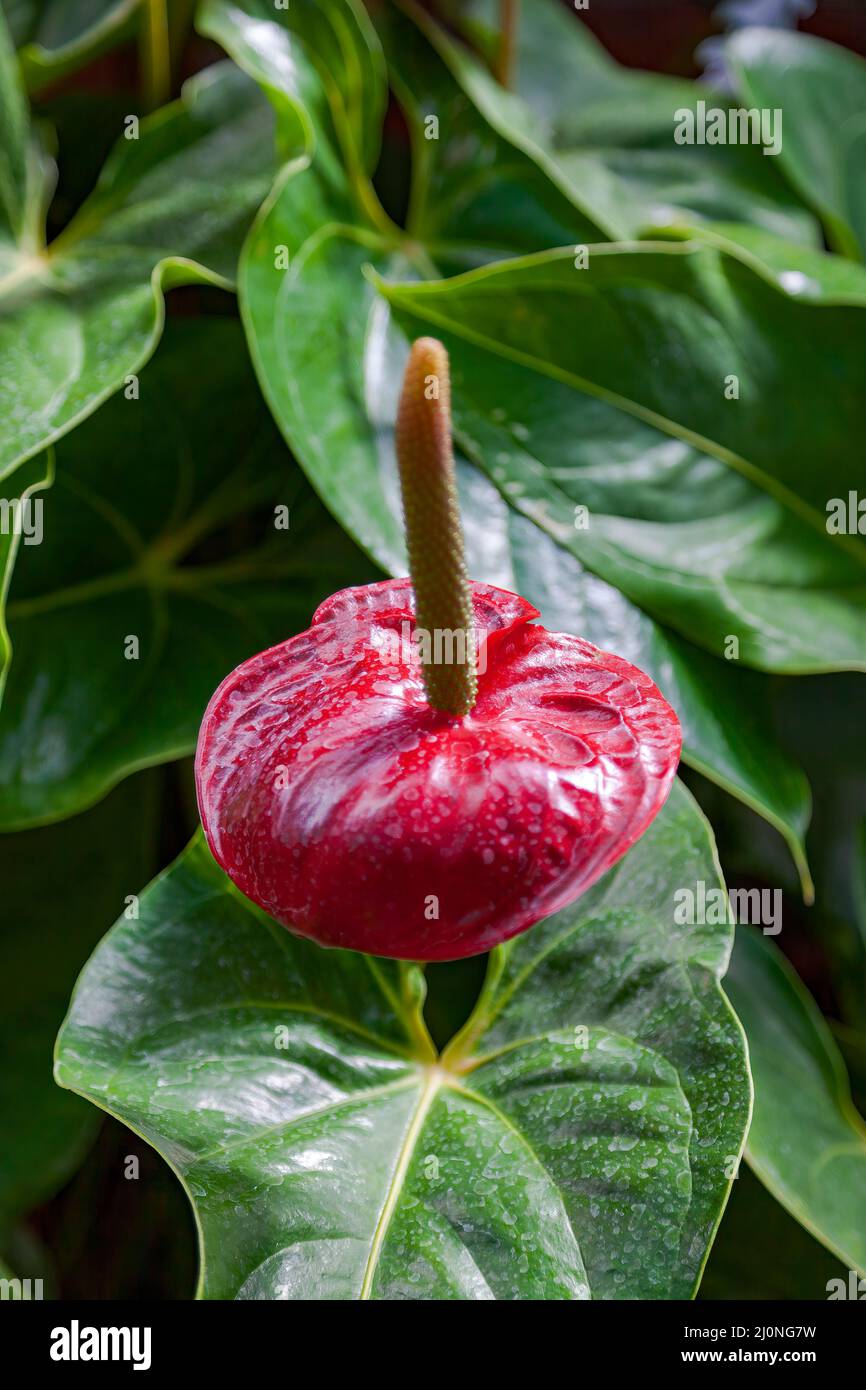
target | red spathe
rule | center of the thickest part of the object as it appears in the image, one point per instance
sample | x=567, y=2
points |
x=353, y=813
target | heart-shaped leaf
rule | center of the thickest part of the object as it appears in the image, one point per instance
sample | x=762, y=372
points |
x=61, y=888
x=821, y=90
x=162, y=565
x=807, y=1142
x=171, y=207
x=576, y=1140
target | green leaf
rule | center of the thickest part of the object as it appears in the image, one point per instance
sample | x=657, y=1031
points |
x=605, y=133
x=657, y=331
x=473, y=195
x=821, y=90
x=171, y=208
x=174, y=541
x=334, y=396
x=616, y=959
x=284, y=69
x=23, y=175
x=572, y=1142
x=56, y=36
x=479, y=179
x=807, y=1143
x=61, y=889
x=283, y=47
x=813, y=276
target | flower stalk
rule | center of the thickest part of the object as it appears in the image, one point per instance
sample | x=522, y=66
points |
x=434, y=534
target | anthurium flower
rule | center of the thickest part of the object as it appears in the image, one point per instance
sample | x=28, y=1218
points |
x=427, y=771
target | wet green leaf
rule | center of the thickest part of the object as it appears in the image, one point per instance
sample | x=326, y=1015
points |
x=576, y=1140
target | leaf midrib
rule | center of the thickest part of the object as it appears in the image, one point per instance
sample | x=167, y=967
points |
x=438, y=1079
x=432, y=1085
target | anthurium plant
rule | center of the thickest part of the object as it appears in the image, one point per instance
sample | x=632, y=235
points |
x=432, y=553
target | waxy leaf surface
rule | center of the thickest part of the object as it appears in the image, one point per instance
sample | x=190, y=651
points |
x=575, y=1140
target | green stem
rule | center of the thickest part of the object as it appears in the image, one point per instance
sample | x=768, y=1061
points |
x=434, y=535
x=509, y=11
x=154, y=54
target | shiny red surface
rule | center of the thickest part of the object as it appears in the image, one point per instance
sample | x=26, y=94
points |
x=353, y=813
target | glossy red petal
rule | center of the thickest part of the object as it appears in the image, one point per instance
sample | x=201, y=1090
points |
x=338, y=800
